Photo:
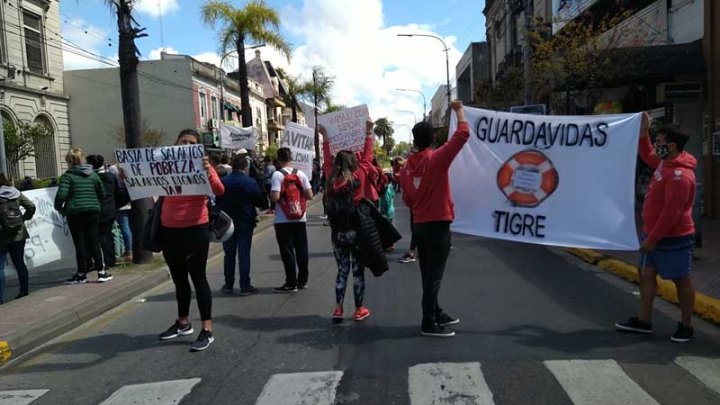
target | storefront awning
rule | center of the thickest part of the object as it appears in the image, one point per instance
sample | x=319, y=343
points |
x=231, y=107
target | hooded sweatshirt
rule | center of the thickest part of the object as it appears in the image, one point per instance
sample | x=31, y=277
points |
x=425, y=182
x=667, y=211
x=79, y=192
x=13, y=196
x=362, y=174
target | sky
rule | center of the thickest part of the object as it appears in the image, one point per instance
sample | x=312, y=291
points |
x=355, y=41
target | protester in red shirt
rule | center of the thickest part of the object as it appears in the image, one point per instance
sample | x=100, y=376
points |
x=668, y=227
x=185, y=243
x=426, y=190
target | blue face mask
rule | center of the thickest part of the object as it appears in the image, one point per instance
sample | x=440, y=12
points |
x=662, y=151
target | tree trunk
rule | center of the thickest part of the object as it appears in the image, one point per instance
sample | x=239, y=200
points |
x=129, y=88
x=245, y=107
x=315, y=104
x=293, y=106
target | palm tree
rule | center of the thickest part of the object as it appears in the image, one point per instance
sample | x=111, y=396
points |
x=239, y=25
x=384, y=128
x=332, y=107
x=318, y=92
x=294, y=90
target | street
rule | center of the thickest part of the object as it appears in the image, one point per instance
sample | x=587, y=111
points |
x=536, y=328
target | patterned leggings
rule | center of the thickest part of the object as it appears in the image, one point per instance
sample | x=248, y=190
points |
x=345, y=249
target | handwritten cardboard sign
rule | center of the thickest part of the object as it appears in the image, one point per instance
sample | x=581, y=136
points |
x=346, y=128
x=301, y=141
x=164, y=171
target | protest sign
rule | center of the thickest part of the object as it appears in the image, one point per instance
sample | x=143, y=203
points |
x=552, y=180
x=237, y=138
x=300, y=140
x=346, y=128
x=50, y=245
x=164, y=171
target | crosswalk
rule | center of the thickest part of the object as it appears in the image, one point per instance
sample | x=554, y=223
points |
x=586, y=382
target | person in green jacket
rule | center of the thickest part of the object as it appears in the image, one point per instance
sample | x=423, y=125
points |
x=78, y=198
x=13, y=233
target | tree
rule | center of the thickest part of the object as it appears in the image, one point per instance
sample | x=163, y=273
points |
x=318, y=93
x=332, y=107
x=401, y=149
x=128, y=31
x=294, y=90
x=384, y=128
x=20, y=141
x=151, y=137
x=254, y=22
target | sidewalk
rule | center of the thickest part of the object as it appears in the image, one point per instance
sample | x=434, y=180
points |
x=53, y=308
x=705, y=273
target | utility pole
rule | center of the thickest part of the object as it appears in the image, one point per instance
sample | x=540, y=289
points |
x=315, y=104
x=3, y=156
x=130, y=91
x=528, y=11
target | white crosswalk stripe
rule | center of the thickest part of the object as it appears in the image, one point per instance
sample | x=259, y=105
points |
x=301, y=389
x=448, y=383
x=157, y=393
x=704, y=369
x=20, y=397
x=598, y=382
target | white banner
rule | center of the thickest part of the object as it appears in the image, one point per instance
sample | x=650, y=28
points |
x=50, y=244
x=565, y=11
x=164, y=171
x=300, y=140
x=346, y=128
x=551, y=180
x=237, y=138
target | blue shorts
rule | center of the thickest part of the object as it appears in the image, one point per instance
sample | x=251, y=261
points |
x=671, y=258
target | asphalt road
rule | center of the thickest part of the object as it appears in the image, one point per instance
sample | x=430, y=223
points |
x=536, y=329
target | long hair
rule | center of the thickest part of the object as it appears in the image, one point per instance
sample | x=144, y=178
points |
x=344, y=165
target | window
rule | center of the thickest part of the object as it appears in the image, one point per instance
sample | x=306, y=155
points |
x=2, y=38
x=214, y=107
x=203, y=106
x=258, y=117
x=13, y=169
x=34, y=42
x=45, y=159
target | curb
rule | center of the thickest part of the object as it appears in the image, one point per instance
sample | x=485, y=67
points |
x=705, y=306
x=33, y=336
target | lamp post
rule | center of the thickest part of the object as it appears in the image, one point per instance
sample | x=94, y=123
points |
x=447, y=60
x=409, y=112
x=423, y=96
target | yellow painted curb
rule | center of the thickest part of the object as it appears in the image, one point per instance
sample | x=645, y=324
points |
x=705, y=306
x=5, y=352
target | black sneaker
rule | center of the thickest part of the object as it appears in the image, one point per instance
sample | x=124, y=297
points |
x=248, y=291
x=286, y=289
x=634, y=325
x=76, y=279
x=104, y=276
x=436, y=330
x=203, y=341
x=303, y=286
x=683, y=333
x=227, y=289
x=176, y=330
x=445, y=320
x=407, y=258
x=20, y=295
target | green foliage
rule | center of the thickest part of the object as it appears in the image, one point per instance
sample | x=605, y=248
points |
x=381, y=156
x=317, y=90
x=272, y=151
x=20, y=140
x=384, y=128
x=401, y=149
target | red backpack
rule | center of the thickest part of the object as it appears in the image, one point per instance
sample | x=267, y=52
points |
x=291, y=200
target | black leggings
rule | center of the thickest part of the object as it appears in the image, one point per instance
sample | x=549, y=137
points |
x=107, y=241
x=17, y=254
x=84, y=231
x=186, y=251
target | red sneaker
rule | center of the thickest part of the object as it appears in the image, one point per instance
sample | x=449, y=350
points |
x=361, y=313
x=337, y=316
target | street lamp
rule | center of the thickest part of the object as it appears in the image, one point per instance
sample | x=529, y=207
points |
x=447, y=60
x=409, y=112
x=423, y=96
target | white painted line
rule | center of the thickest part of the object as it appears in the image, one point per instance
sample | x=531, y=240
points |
x=20, y=397
x=448, y=383
x=598, y=382
x=704, y=369
x=301, y=389
x=157, y=393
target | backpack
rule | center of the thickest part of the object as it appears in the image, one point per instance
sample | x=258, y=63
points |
x=341, y=209
x=11, y=218
x=291, y=199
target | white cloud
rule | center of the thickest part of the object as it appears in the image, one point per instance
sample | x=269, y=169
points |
x=155, y=8
x=155, y=53
x=86, y=46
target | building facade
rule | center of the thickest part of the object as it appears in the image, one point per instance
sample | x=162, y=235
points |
x=472, y=70
x=274, y=92
x=176, y=92
x=31, y=82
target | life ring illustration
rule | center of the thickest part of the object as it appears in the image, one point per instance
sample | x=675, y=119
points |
x=528, y=178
